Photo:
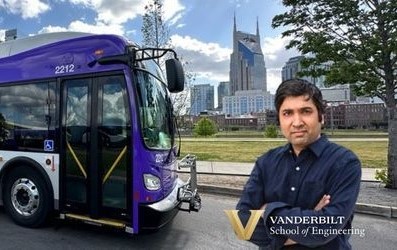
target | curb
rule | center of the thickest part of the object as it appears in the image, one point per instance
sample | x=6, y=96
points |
x=234, y=192
x=362, y=208
x=379, y=210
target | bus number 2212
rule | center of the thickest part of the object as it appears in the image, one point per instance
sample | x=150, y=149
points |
x=67, y=68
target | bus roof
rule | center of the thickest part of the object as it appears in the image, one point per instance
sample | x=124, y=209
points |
x=59, y=54
x=13, y=47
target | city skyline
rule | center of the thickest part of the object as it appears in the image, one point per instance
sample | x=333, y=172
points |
x=200, y=31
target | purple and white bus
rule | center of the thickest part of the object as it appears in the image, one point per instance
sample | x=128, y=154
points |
x=87, y=132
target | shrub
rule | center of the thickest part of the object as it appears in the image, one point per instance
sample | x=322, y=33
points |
x=381, y=175
x=205, y=127
x=271, y=131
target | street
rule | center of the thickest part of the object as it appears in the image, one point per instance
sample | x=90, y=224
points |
x=208, y=229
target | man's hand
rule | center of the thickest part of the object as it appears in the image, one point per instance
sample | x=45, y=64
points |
x=289, y=242
x=325, y=200
x=263, y=208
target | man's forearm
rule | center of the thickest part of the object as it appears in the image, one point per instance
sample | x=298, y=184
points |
x=325, y=200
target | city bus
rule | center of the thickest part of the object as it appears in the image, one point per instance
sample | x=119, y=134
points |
x=87, y=132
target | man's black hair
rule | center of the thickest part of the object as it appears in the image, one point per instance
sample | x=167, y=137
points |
x=299, y=87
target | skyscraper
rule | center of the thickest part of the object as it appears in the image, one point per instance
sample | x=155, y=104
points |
x=293, y=66
x=202, y=98
x=247, y=64
x=223, y=90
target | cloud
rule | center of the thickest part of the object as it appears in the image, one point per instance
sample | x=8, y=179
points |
x=120, y=11
x=174, y=20
x=273, y=79
x=112, y=15
x=173, y=11
x=180, y=25
x=238, y=3
x=207, y=60
x=112, y=12
x=51, y=28
x=27, y=9
x=79, y=26
x=275, y=53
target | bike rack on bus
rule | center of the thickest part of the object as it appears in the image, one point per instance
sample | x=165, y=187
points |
x=188, y=192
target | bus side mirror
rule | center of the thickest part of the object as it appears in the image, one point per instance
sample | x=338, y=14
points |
x=175, y=75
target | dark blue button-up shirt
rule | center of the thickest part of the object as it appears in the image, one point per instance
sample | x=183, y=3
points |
x=292, y=186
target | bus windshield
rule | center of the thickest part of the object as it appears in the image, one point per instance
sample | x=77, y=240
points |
x=154, y=110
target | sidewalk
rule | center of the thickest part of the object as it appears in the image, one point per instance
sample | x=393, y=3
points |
x=228, y=178
x=244, y=168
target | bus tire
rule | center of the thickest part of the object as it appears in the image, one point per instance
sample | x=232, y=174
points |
x=27, y=199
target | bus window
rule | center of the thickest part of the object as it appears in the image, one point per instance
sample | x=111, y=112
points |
x=113, y=133
x=154, y=112
x=27, y=116
x=77, y=147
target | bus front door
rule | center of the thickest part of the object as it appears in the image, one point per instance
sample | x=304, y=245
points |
x=95, y=135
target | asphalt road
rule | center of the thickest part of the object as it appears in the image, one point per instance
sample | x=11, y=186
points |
x=208, y=229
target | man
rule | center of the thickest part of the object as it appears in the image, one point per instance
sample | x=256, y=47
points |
x=307, y=188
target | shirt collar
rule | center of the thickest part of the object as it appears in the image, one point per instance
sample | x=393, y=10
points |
x=316, y=147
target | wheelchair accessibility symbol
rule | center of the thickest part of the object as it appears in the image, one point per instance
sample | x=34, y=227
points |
x=48, y=145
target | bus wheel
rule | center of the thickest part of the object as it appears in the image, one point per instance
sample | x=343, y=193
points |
x=26, y=197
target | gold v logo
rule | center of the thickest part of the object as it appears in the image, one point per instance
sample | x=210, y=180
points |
x=244, y=233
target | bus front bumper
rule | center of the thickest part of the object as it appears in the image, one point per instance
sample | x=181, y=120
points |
x=182, y=193
x=185, y=193
x=158, y=214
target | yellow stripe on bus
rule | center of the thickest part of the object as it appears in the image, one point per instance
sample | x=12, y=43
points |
x=114, y=164
x=77, y=160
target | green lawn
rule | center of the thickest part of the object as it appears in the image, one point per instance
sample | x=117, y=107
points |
x=371, y=154
x=338, y=133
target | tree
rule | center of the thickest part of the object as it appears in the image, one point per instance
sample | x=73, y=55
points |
x=180, y=100
x=271, y=131
x=358, y=39
x=156, y=33
x=154, y=30
x=205, y=127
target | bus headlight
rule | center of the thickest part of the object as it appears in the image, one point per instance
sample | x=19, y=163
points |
x=152, y=182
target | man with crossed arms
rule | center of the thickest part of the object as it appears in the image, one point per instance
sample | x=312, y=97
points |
x=310, y=178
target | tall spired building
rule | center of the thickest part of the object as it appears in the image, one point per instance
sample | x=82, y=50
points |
x=247, y=64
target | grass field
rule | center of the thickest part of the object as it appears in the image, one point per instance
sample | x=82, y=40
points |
x=372, y=154
x=338, y=133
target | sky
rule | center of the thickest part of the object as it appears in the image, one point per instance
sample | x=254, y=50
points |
x=201, y=30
